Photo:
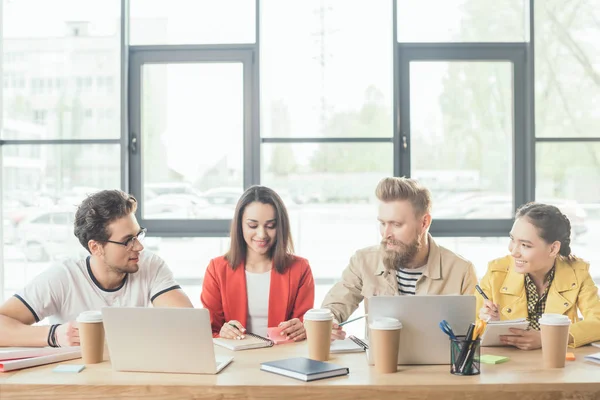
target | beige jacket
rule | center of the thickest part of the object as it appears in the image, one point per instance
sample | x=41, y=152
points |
x=366, y=276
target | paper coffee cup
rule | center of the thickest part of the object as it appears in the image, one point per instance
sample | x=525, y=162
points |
x=91, y=336
x=384, y=340
x=555, y=338
x=318, y=323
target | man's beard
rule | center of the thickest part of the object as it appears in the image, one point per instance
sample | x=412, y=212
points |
x=394, y=259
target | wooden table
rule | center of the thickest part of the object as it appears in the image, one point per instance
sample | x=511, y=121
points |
x=520, y=378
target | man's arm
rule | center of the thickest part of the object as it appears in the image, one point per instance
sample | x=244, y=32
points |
x=15, y=324
x=469, y=281
x=172, y=298
x=345, y=296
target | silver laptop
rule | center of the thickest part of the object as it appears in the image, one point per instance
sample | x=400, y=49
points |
x=177, y=340
x=421, y=339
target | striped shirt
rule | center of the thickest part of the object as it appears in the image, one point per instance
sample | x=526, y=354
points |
x=407, y=279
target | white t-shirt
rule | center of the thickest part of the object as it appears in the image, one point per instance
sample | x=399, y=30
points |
x=63, y=291
x=258, y=287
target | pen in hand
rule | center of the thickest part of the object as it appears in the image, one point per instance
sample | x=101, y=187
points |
x=482, y=293
x=241, y=331
x=351, y=320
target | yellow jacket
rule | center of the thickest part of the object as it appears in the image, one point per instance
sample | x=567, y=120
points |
x=571, y=289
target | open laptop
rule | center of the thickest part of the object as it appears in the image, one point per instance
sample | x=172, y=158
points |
x=421, y=339
x=177, y=340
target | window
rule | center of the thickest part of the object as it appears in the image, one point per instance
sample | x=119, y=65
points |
x=567, y=118
x=192, y=21
x=463, y=21
x=326, y=123
x=46, y=41
x=43, y=179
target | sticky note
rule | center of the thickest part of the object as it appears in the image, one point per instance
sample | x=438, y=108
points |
x=74, y=368
x=570, y=357
x=490, y=359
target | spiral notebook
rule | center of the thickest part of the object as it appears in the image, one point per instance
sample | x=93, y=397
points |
x=250, y=341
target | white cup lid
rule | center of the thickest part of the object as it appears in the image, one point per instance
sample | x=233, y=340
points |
x=318, y=314
x=386, y=324
x=90, y=316
x=554, y=319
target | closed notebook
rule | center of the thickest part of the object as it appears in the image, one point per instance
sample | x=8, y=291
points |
x=250, y=341
x=495, y=329
x=15, y=353
x=35, y=361
x=304, y=369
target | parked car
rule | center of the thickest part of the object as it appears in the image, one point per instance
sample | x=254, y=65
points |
x=45, y=235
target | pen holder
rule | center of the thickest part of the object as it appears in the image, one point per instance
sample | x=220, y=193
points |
x=464, y=356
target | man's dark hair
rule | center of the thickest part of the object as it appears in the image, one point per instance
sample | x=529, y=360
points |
x=97, y=211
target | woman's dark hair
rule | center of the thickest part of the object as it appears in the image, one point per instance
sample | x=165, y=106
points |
x=97, y=211
x=552, y=225
x=282, y=250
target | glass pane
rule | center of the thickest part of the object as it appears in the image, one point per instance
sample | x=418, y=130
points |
x=40, y=190
x=461, y=129
x=192, y=140
x=567, y=68
x=326, y=174
x=61, y=69
x=329, y=191
x=567, y=176
x=463, y=21
x=479, y=250
x=320, y=75
x=192, y=21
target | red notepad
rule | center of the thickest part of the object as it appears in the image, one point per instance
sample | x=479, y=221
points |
x=274, y=334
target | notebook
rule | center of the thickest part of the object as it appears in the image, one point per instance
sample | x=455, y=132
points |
x=304, y=369
x=15, y=353
x=345, y=346
x=597, y=344
x=250, y=341
x=35, y=361
x=495, y=329
x=595, y=358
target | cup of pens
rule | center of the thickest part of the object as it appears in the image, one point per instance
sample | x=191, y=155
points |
x=464, y=355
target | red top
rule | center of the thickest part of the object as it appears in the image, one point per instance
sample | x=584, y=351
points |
x=224, y=293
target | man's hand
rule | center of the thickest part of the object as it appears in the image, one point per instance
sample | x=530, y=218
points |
x=522, y=339
x=337, y=333
x=293, y=329
x=67, y=334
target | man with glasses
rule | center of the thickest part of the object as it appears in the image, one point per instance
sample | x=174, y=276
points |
x=116, y=273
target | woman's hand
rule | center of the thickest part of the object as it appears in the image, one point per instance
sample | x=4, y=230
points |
x=232, y=330
x=293, y=330
x=489, y=311
x=522, y=339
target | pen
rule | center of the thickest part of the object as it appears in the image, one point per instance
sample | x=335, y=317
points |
x=351, y=320
x=481, y=292
x=465, y=349
x=237, y=329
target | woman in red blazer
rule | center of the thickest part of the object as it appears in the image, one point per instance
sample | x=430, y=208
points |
x=258, y=283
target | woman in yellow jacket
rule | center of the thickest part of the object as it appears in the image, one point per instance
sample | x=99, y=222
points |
x=541, y=276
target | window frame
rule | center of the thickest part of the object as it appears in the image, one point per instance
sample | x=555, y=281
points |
x=168, y=54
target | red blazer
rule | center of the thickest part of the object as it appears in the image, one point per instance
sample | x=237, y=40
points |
x=224, y=293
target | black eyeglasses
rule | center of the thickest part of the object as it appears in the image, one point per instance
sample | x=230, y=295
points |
x=129, y=243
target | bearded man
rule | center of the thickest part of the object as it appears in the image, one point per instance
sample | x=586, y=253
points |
x=407, y=262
